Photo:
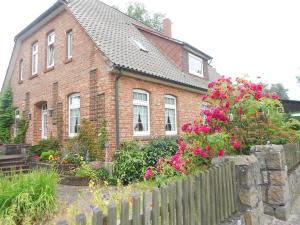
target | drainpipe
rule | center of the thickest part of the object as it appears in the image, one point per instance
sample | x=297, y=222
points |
x=117, y=109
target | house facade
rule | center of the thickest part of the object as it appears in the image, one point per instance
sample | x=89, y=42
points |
x=82, y=59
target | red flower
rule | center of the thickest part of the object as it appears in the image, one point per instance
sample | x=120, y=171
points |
x=241, y=110
x=205, y=129
x=218, y=129
x=187, y=127
x=236, y=144
x=35, y=158
x=221, y=152
x=148, y=174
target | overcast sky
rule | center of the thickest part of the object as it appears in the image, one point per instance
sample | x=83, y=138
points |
x=254, y=37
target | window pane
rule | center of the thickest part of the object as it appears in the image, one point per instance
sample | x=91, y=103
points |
x=75, y=102
x=140, y=118
x=140, y=96
x=169, y=101
x=170, y=119
x=195, y=65
x=70, y=43
x=50, y=55
x=74, y=120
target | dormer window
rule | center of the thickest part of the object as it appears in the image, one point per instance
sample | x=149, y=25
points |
x=195, y=65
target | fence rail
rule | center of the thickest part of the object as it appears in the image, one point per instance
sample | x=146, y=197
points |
x=292, y=155
x=205, y=199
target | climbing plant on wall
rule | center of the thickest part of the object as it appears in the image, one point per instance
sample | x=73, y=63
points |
x=6, y=116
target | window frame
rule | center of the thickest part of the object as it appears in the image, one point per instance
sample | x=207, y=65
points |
x=50, y=44
x=15, y=120
x=34, y=55
x=168, y=106
x=190, y=55
x=21, y=72
x=141, y=103
x=70, y=108
x=69, y=44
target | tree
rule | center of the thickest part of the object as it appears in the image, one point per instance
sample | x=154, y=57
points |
x=138, y=11
x=277, y=88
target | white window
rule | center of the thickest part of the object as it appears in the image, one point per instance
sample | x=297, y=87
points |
x=141, y=117
x=21, y=76
x=69, y=44
x=44, y=122
x=139, y=44
x=170, y=115
x=34, y=60
x=50, y=49
x=17, y=121
x=74, y=114
x=195, y=65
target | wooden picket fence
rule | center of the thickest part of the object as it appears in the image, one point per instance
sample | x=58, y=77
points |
x=206, y=199
x=292, y=155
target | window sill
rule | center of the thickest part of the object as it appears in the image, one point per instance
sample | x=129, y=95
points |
x=33, y=76
x=171, y=134
x=49, y=69
x=20, y=82
x=68, y=60
x=145, y=137
x=197, y=75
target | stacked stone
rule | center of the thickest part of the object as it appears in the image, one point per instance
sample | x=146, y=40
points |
x=274, y=180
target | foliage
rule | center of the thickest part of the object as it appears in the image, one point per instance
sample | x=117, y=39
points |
x=46, y=155
x=28, y=198
x=238, y=115
x=102, y=138
x=21, y=131
x=72, y=157
x=112, y=181
x=6, y=116
x=138, y=11
x=85, y=141
x=86, y=171
x=158, y=148
x=45, y=145
x=279, y=89
x=102, y=174
x=129, y=164
x=293, y=124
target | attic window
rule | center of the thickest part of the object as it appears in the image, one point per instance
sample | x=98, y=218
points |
x=195, y=65
x=140, y=45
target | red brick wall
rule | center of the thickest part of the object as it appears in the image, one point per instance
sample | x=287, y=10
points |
x=188, y=106
x=71, y=77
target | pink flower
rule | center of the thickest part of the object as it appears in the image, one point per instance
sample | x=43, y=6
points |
x=218, y=129
x=236, y=144
x=203, y=97
x=275, y=96
x=148, y=174
x=205, y=129
x=221, y=152
x=211, y=84
x=197, y=151
x=204, y=154
x=241, y=110
x=187, y=127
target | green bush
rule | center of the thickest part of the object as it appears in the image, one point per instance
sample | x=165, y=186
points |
x=6, y=116
x=21, y=132
x=130, y=163
x=112, y=181
x=293, y=124
x=28, y=198
x=45, y=145
x=158, y=148
x=86, y=171
x=102, y=174
x=45, y=155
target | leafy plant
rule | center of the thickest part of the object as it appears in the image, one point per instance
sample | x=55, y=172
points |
x=21, y=131
x=28, y=198
x=45, y=155
x=158, y=148
x=86, y=171
x=45, y=145
x=102, y=174
x=112, y=181
x=6, y=116
x=129, y=164
x=102, y=138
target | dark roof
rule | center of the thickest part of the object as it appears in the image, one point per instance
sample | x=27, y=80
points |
x=290, y=106
x=113, y=32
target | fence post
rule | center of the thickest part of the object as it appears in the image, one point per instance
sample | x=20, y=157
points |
x=97, y=218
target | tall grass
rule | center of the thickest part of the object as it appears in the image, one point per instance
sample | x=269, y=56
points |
x=27, y=198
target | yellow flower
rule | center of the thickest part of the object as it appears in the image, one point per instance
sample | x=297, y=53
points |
x=92, y=184
x=50, y=157
x=81, y=158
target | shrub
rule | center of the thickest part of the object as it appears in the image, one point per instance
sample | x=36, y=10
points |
x=86, y=171
x=130, y=145
x=129, y=164
x=46, y=155
x=21, y=132
x=293, y=124
x=6, y=116
x=102, y=174
x=72, y=158
x=45, y=145
x=112, y=181
x=28, y=198
x=159, y=148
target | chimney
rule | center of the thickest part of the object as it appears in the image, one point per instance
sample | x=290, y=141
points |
x=167, y=27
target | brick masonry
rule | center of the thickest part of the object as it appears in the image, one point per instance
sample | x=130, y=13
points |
x=88, y=73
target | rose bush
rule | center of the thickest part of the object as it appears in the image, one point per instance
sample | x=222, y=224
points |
x=238, y=114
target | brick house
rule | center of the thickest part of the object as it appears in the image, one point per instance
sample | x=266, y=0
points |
x=85, y=59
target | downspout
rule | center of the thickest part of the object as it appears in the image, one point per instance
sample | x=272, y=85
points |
x=117, y=109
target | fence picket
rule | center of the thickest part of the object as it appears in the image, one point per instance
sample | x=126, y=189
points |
x=147, y=205
x=172, y=195
x=212, y=196
x=234, y=187
x=217, y=194
x=97, y=218
x=136, y=210
x=156, y=207
x=124, y=217
x=198, y=199
x=164, y=206
x=185, y=199
x=191, y=200
x=111, y=214
x=179, y=209
x=80, y=219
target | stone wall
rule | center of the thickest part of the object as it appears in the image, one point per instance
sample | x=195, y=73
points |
x=249, y=194
x=277, y=185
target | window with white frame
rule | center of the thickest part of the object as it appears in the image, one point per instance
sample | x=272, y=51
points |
x=141, y=117
x=195, y=65
x=69, y=44
x=74, y=114
x=17, y=121
x=170, y=115
x=34, y=59
x=21, y=75
x=50, y=49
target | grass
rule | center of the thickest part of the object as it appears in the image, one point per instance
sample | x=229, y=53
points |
x=27, y=198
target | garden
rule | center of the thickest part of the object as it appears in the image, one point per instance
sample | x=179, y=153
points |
x=239, y=114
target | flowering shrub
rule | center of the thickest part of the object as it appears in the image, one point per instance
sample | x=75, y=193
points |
x=238, y=115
